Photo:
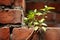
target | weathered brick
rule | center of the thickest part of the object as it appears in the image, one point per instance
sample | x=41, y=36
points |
x=6, y=2
x=20, y=3
x=10, y=16
x=4, y=33
x=21, y=33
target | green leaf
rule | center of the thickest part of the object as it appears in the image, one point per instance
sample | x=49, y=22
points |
x=47, y=8
x=51, y=8
x=30, y=24
x=35, y=10
x=25, y=18
x=31, y=15
x=38, y=13
x=36, y=28
x=44, y=28
x=42, y=9
x=42, y=20
x=44, y=24
x=36, y=23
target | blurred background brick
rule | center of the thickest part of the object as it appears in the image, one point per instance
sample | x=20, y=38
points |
x=52, y=33
x=57, y=18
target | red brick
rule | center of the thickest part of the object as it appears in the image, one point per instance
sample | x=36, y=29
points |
x=49, y=17
x=51, y=25
x=52, y=34
x=34, y=5
x=39, y=5
x=4, y=33
x=20, y=3
x=57, y=25
x=10, y=16
x=21, y=33
x=6, y=2
x=57, y=18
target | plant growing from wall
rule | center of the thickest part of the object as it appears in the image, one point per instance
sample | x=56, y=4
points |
x=36, y=18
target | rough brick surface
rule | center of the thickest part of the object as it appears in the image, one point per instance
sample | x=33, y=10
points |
x=6, y=2
x=16, y=3
x=10, y=16
x=20, y=3
x=4, y=34
x=52, y=34
x=21, y=33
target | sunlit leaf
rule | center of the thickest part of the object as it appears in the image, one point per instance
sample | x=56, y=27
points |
x=38, y=14
x=46, y=6
x=36, y=23
x=35, y=10
x=42, y=9
x=31, y=15
x=42, y=20
x=51, y=8
x=44, y=28
x=44, y=24
x=25, y=18
x=36, y=28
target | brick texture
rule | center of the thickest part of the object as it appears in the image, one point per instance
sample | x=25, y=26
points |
x=20, y=3
x=21, y=33
x=15, y=3
x=10, y=16
x=4, y=33
x=6, y=2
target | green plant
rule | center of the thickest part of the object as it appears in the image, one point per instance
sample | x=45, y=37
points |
x=36, y=18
